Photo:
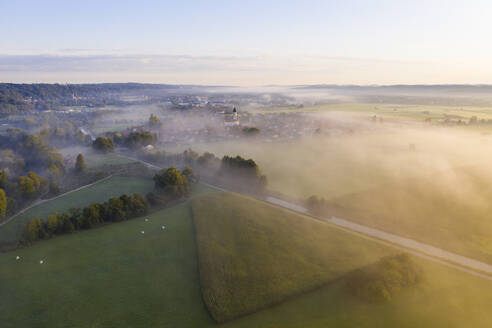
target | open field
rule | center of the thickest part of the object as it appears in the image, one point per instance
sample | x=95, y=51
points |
x=115, y=276
x=112, y=276
x=428, y=210
x=253, y=255
x=398, y=112
x=99, y=192
x=93, y=159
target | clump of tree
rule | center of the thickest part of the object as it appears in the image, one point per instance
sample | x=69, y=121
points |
x=28, y=152
x=154, y=121
x=384, y=279
x=114, y=210
x=140, y=139
x=32, y=186
x=251, y=131
x=104, y=145
x=241, y=171
x=20, y=190
x=171, y=184
x=80, y=164
x=117, y=137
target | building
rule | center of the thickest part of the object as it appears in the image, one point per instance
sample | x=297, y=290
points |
x=231, y=119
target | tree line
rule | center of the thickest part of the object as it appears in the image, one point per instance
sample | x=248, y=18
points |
x=134, y=140
x=235, y=171
x=170, y=185
x=114, y=210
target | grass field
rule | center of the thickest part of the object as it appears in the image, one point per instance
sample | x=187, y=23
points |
x=93, y=159
x=445, y=299
x=253, y=255
x=100, y=192
x=114, y=276
x=453, y=215
x=398, y=112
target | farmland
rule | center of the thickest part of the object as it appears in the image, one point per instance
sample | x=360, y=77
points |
x=253, y=255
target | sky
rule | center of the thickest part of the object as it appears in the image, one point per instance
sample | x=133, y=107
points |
x=247, y=43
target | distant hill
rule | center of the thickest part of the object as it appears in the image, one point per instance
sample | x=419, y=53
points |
x=16, y=98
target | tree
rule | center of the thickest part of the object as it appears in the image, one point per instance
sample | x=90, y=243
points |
x=140, y=139
x=34, y=230
x=250, y=131
x=54, y=189
x=188, y=173
x=65, y=225
x=54, y=172
x=104, y=145
x=154, y=121
x=35, y=179
x=80, y=164
x=11, y=206
x=171, y=182
x=3, y=204
x=27, y=188
x=52, y=224
x=3, y=180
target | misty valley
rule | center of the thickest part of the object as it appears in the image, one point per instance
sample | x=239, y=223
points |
x=145, y=205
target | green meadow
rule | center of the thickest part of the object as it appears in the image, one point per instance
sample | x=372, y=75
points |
x=99, y=192
x=115, y=276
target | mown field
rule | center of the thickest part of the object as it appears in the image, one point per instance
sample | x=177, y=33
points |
x=253, y=255
x=99, y=192
x=114, y=276
x=93, y=159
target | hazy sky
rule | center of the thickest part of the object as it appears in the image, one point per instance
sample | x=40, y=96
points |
x=246, y=42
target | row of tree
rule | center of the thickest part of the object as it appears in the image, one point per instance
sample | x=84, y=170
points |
x=114, y=210
x=232, y=170
x=134, y=140
x=170, y=184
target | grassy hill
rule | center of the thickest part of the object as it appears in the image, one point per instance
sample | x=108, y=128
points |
x=99, y=192
x=253, y=255
x=114, y=276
